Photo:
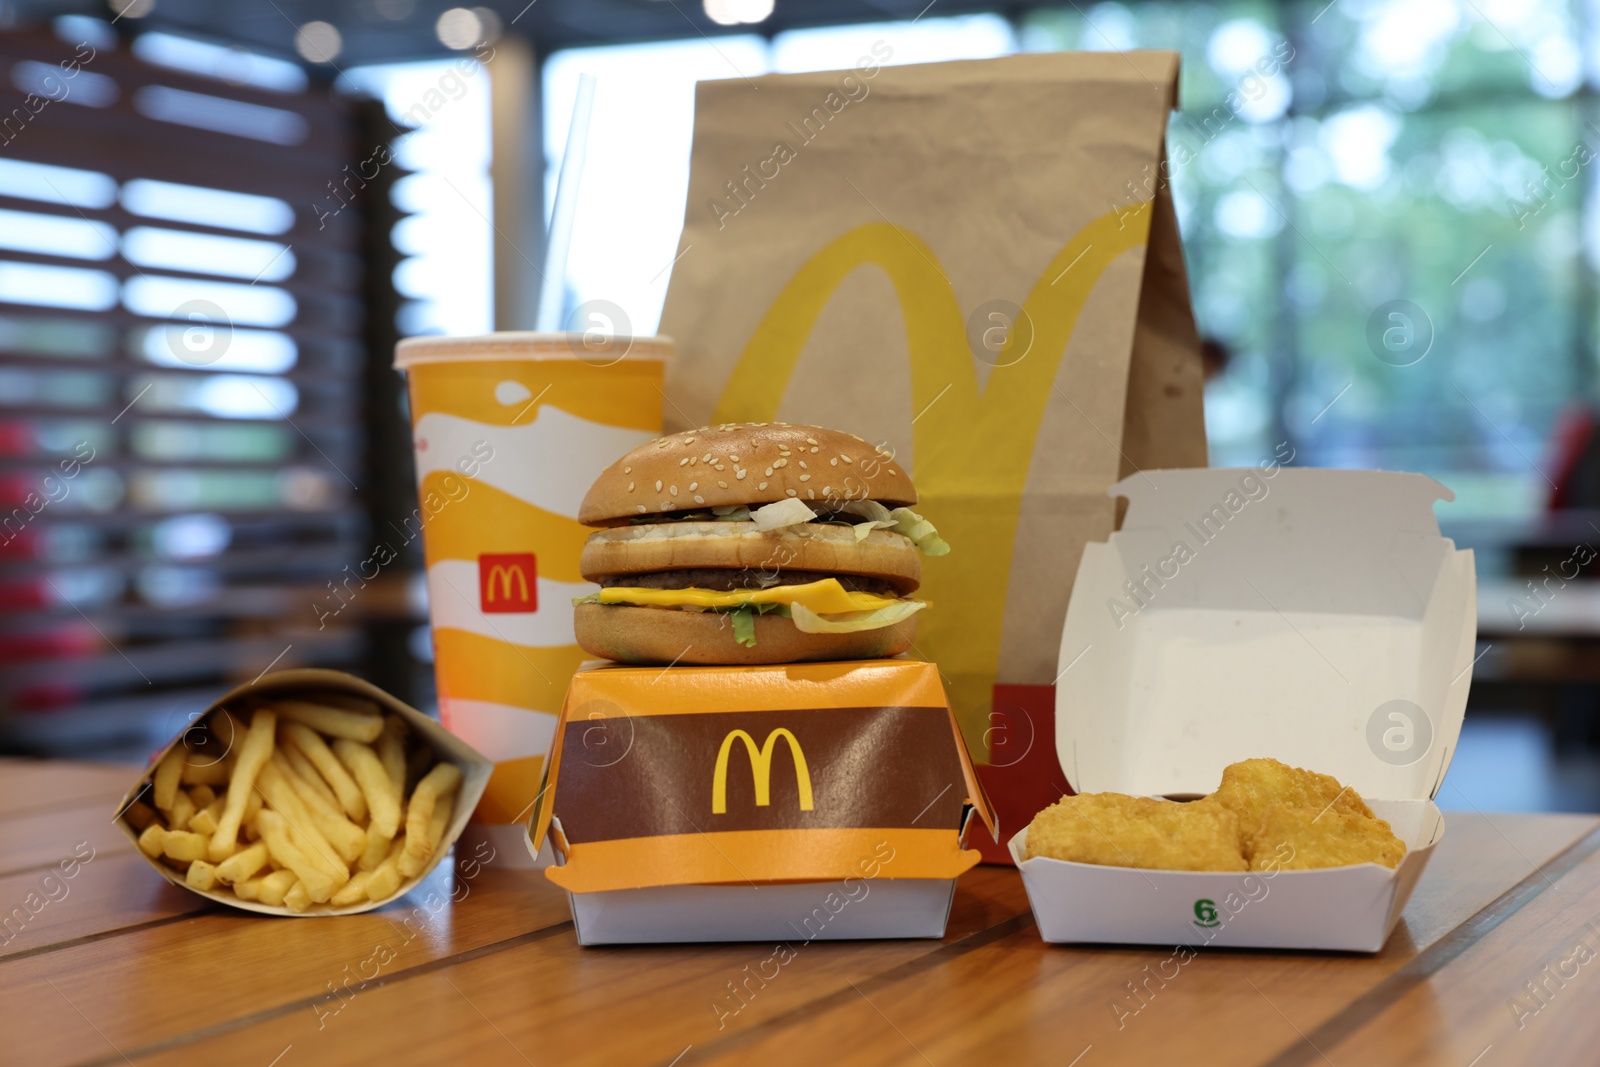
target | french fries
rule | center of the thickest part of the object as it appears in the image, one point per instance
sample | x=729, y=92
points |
x=298, y=803
x=165, y=784
x=443, y=779
x=201, y=875
x=317, y=752
x=200, y=771
x=383, y=799
x=271, y=889
x=139, y=815
x=254, y=751
x=181, y=812
x=243, y=865
x=361, y=726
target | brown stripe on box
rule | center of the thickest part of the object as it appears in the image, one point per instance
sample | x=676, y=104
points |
x=649, y=775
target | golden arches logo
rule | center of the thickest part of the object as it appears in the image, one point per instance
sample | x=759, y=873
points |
x=760, y=769
x=972, y=445
x=504, y=576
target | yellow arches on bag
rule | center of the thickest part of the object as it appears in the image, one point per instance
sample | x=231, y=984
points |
x=1004, y=417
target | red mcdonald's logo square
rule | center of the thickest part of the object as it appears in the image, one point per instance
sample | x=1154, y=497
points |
x=508, y=582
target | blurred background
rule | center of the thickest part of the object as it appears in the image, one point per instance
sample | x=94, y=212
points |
x=216, y=219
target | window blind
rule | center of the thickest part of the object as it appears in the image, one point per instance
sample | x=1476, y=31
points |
x=185, y=317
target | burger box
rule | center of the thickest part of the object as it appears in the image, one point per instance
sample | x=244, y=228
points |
x=307, y=682
x=1314, y=616
x=792, y=802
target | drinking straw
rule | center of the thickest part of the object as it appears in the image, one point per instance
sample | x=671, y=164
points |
x=559, y=240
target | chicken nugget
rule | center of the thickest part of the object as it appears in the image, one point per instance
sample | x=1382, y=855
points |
x=1302, y=839
x=1114, y=830
x=1252, y=786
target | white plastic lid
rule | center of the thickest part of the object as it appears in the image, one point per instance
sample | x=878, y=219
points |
x=593, y=348
x=1314, y=616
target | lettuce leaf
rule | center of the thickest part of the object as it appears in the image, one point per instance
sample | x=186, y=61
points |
x=791, y=511
x=920, y=531
x=795, y=512
x=744, y=625
x=743, y=619
x=808, y=621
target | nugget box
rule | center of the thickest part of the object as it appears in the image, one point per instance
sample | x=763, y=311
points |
x=308, y=682
x=1315, y=616
x=790, y=802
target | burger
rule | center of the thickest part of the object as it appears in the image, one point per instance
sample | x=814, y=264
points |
x=753, y=543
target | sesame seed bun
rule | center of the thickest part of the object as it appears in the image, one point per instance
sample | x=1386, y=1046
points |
x=611, y=555
x=633, y=634
x=751, y=463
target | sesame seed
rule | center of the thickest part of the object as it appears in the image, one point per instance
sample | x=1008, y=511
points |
x=769, y=472
x=630, y=487
x=627, y=470
x=734, y=458
x=683, y=462
x=737, y=473
x=791, y=492
x=833, y=462
x=827, y=491
x=688, y=440
x=658, y=485
x=805, y=477
x=719, y=466
x=666, y=505
x=781, y=463
x=846, y=458
x=672, y=490
x=706, y=457
x=816, y=450
x=812, y=493
x=641, y=509
x=811, y=440
x=693, y=460
x=693, y=486
x=698, y=499
x=763, y=485
x=802, y=464
x=722, y=485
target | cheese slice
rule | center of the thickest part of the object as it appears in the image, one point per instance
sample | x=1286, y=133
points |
x=825, y=597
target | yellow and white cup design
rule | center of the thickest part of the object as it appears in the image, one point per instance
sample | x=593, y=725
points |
x=510, y=430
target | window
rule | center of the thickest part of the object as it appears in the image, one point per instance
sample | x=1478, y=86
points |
x=181, y=376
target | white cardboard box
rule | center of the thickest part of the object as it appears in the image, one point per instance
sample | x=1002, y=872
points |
x=1315, y=616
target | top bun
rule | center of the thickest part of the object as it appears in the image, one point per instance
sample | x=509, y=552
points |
x=750, y=463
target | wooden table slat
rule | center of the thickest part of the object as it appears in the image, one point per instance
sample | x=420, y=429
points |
x=32, y=786
x=110, y=894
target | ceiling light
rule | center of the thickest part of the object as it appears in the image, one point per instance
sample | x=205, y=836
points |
x=736, y=12
x=318, y=42
x=459, y=28
x=395, y=10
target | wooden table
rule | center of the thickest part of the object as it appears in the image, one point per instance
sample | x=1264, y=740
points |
x=122, y=968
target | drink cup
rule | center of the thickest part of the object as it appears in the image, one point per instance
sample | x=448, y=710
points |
x=510, y=430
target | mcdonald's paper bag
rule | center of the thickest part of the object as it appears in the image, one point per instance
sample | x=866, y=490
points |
x=977, y=265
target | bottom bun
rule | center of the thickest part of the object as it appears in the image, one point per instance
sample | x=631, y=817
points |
x=632, y=634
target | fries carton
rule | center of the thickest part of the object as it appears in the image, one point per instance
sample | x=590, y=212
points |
x=791, y=803
x=475, y=772
x=1314, y=616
